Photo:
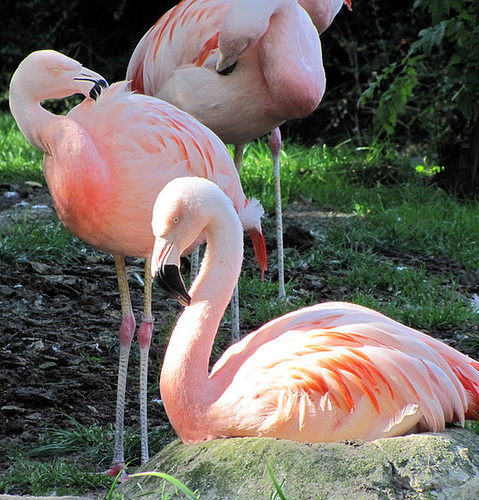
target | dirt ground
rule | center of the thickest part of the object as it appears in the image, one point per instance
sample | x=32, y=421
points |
x=58, y=324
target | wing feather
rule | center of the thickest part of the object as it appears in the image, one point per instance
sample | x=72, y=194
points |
x=333, y=367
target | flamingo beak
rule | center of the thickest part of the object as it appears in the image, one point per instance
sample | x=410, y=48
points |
x=165, y=263
x=99, y=83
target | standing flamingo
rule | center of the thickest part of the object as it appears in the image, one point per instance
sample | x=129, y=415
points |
x=105, y=162
x=241, y=67
x=323, y=373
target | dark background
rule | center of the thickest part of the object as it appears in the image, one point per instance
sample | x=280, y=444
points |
x=102, y=36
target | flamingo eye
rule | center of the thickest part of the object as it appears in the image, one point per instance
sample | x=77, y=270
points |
x=175, y=220
x=56, y=68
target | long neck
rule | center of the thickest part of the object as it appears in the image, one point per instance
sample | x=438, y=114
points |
x=186, y=389
x=292, y=65
x=322, y=13
x=32, y=119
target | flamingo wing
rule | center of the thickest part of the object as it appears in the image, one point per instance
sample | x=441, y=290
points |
x=156, y=136
x=186, y=34
x=141, y=137
x=340, y=371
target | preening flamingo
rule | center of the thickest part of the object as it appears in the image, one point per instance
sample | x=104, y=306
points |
x=323, y=373
x=241, y=67
x=105, y=163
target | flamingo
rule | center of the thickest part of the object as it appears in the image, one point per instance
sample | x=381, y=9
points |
x=241, y=67
x=104, y=163
x=327, y=372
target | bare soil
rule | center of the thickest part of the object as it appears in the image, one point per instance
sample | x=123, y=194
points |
x=59, y=322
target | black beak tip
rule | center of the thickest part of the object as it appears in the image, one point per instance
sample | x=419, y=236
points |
x=97, y=88
x=227, y=71
x=169, y=278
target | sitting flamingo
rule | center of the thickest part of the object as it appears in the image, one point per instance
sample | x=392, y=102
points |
x=323, y=373
x=105, y=163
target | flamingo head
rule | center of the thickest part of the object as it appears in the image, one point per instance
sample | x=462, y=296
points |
x=47, y=74
x=184, y=210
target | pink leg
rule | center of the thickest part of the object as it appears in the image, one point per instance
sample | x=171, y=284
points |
x=275, y=146
x=238, y=157
x=234, y=304
x=144, y=340
x=127, y=330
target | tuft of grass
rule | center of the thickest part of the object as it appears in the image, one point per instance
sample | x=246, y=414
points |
x=177, y=484
x=278, y=493
x=58, y=477
x=73, y=455
x=40, y=239
x=94, y=442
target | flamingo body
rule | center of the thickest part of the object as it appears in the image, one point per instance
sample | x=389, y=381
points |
x=278, y=75
x=323, y=373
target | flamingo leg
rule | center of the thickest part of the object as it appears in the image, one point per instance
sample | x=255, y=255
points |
x=234, y=304
x=127, y=330
x=144, y=341
x=235, y=320
x=275, y=146
x=238, y=157
x=195, y=263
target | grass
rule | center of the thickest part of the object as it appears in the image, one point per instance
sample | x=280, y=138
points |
x=33, y=239
x=383, y=209
x=374, y=220
x=19, y=162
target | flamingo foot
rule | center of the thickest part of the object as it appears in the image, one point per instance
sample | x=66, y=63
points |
x=117, y=470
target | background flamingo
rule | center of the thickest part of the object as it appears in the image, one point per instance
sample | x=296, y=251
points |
x=323, y=373
x=105, y=163
x=242, y=68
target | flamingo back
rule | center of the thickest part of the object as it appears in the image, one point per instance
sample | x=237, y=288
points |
x=341, y=371
x=145, y=143
x=278, y=76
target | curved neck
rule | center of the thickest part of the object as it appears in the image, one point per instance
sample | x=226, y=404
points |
x=186, y=389
x=76, y=174
x=32, y=119
x=321, y=13
x=291, y=61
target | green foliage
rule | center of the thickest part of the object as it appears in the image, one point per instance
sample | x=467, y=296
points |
x=392, y=101
x=178, y=484
x=279, y=493
x=74, y=453
x=435, y=86
x=94, y=443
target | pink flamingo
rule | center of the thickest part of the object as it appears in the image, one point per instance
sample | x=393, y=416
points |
x=105, y=162
x=323, y=373
x=241, y=67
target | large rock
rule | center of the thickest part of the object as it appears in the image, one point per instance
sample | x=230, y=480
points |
x=420, y=466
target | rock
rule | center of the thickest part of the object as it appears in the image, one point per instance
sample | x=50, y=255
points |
x=419, y=466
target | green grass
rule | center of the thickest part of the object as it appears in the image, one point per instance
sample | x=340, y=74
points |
x=405, y=214
x=44, y=239
x=383, y=208
x=56, y=477
x=19, y=162
x=64, y=460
